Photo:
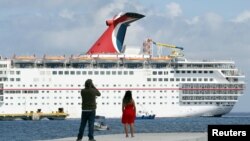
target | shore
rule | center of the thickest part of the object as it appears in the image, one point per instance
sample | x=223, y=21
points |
x=194, y=136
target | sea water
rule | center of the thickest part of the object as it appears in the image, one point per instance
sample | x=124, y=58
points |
x=21, y=130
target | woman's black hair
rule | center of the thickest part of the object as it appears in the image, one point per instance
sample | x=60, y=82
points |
x=127, y=97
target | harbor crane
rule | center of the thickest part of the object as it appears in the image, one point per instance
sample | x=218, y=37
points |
x=176, y=50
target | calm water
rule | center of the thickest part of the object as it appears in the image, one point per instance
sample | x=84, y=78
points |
x=45, y=129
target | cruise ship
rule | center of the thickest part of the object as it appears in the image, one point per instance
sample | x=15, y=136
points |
x=165, y=85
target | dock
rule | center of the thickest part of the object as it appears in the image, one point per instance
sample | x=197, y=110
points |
x=190, y=136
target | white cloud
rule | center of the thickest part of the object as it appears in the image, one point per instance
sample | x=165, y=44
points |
x=173, y=10
x=108, y=10
x=213, y=20
x=65, y=13
x=194, y=20
x=242, y=17
x=209, y=32
x=66, y=39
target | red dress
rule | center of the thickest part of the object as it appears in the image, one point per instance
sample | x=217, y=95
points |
x=128, y=115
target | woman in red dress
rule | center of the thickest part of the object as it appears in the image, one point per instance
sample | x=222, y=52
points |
x=128, y=113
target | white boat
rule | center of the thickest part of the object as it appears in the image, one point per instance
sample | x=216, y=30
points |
x=145, y=115
x=100, y=124
x=170, y=85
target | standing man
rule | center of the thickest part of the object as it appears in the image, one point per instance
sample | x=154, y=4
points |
x=88, y=94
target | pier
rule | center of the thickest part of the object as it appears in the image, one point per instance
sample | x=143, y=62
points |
x=190, y=136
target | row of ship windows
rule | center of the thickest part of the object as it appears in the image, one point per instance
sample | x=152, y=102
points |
x=101, y=85
x=66, y=91
x=3, y=65
x=78, y=72
x=180, y=79
x=47, y=85
x=93, y=72
x=138, y=103
x=212, y=92
x=137, y=91
x=112, y=72
x=43, y=104
x=178, y=71
x=10, y=79
x=103, y=97
x=148, y=79
x=11, y=72
x=211, y=103
x=190, y=85
x=209, y=97
x=103, y=103
x=42, y=97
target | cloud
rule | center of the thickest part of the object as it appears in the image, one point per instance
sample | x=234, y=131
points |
x=67, y=14
x=55, y=28
x=67, y=38
x=213, y=20
x=193, y=21
x=173, y=10
x=109, y=9
x=242, y=17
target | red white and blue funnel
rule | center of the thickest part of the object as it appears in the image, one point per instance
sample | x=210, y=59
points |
x=112, y=39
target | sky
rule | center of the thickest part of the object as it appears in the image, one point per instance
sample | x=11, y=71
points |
x=207, y=29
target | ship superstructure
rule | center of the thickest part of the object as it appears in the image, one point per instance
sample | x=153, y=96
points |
x=168, y=86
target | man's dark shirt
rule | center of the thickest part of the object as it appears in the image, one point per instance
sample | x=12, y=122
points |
x=89, y=98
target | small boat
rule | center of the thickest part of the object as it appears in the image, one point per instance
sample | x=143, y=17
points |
x=100, y=124
x=144, y=115
x=39, y=115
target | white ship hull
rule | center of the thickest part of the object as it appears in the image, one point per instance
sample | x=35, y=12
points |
x=41, y=89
